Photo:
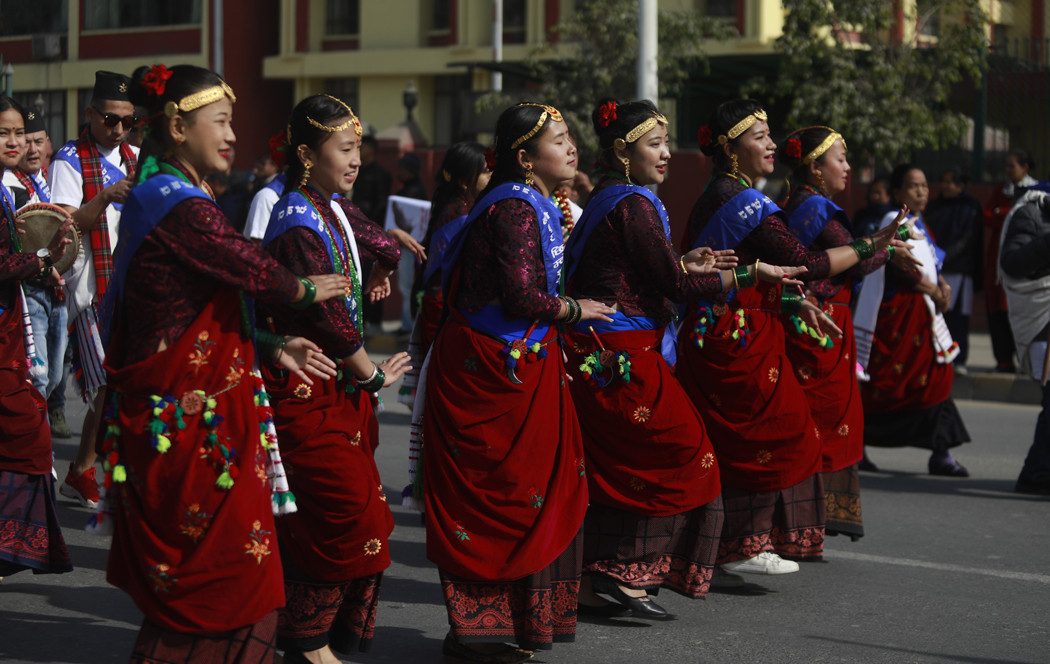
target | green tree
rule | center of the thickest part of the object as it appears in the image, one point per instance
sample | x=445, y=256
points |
x=844, y=65
x=593, y=53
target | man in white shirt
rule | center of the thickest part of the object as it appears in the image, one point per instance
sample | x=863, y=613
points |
x=89, y=178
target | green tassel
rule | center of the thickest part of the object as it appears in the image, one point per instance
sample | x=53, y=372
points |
x=224, y=481
x=120, y=473
x=163, y=444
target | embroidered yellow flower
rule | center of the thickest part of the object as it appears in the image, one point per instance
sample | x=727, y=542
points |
x=637, y=484
x=356, y=440
x=373, y=546
x=302, y=392
x=843, y=430
x=258, y=546
x=641, y=414
x=803, y=373
x=162, y=581
x=774, y=374
x=763, y=457
x=382, y=494
x=708, y=460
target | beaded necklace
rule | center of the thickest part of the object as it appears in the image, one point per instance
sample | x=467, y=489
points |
x=807, y=187
x=561, y=198
x=344, y=263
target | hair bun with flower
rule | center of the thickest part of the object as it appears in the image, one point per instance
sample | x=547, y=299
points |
x=156, y=79
x=793, y=148
x=607, y=113
x=279, y=148
x=703, y=136
x=490, y=159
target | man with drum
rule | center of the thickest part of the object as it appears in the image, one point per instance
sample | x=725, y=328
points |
x=45, y=302
x=89, y=178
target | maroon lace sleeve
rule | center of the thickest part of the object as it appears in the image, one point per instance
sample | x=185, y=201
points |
x=13, y=267
x=326, y=323
x=902, y=279
x=836, y=234
x=178, y=267
x=373, y=243
x=502, y=261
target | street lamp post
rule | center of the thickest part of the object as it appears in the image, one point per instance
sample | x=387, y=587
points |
x=410, y=98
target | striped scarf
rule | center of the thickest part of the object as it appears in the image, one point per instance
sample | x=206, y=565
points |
x=26, y=181
x=91, y=168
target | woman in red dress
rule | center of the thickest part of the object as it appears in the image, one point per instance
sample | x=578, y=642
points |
x=334, y=547
x=655, y=513
x=733, y=361
x=826, y=372
x=504, y=476
x=190, y=477
x=30, y=537
x=904, y=344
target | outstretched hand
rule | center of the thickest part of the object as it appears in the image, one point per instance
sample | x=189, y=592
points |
x=395, y=366
x=302, y=357
x=815, y=318
x=378, y=287
x=883, y=237
x=778, y=274
x=329, y=286
x=705, y=260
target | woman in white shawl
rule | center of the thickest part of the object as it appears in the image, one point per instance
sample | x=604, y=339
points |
x=904, y=344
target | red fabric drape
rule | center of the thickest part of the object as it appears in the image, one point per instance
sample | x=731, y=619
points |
x=750, y=401
x=829, y=380
x=904, y=371
x=647, y=451
x=193, y=556
x=25, y=439
x=504, y=476
x=328, y=440
x=430, y=317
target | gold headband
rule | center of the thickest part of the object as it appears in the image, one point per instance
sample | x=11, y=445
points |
x=554, y=114
x=198, y=99
x=353, y=121
x=742, y=126
x=641, y=130
x=823, y=147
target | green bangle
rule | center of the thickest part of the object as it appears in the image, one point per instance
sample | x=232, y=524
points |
x=308, y=296
x=889, y=252
x=268, y=343
x=375, y=382
x=790, y=304
x=743, y=277
x=864, y=249
x=902, y=233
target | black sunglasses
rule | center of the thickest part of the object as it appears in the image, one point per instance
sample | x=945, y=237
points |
x=112, y=119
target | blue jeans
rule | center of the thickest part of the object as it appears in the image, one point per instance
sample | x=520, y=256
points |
x=51, y=335
x=1037, y=464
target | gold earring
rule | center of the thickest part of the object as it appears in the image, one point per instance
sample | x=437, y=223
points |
x=735, y=165
x=180, y=140
x=820, y=182
x=627, y=168
x=530, y=181
x=306, y=174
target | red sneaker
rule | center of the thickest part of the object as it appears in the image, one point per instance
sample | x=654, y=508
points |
x=83, y=488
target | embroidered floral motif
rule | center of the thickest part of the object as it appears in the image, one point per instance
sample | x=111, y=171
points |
x=803, y=373
x=580, y=468
x=917, y=340
x=708, y=460
x=356, y=440
x=260, y=465
x=535, y=499
x=302, y=392
x=923, y=379
x=898, y=368
x=259, y=546
x=636, y=484
x=816, y=432
x=382, y=494
x=641, y=414
x=763, y=457
x=461, y=533
x=771, y=295
x=774, y=374
x=715, y=400
x=843, y=430
x=195, y=523
x=202, y=349
x=373, y=547
x=162, y=580
x=470, y=363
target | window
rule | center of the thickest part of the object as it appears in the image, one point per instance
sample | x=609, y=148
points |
x=342, y=17
x=114, y=14
x=720, y=8
x=441, y=15
x=345, y=89
x=514, y=21
x=18, y=17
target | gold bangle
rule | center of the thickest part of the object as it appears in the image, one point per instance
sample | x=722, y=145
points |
x=681, y=261
x=736, y=284
x=754, y=273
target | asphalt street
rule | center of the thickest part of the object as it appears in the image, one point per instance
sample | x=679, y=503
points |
x=950, y=570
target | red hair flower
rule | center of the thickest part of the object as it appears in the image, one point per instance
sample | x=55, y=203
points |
x=793, y=148
x=606, y=114
x=278, y=146
x=156, y=79
x=490, y=159
x=703, y=136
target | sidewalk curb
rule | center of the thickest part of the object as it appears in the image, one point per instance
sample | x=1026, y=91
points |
x=988, y=386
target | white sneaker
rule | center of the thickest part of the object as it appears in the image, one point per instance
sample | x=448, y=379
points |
x=766, y=562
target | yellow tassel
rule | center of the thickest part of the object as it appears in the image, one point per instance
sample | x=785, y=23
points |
x=120, y=473
x=224, y=481
x=163, y=444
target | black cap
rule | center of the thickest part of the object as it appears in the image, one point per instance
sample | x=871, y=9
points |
x=110, y=85
x=34, y=122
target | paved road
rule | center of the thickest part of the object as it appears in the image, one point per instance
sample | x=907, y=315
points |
x=950, y=571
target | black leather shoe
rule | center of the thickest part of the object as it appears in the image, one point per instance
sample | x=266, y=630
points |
x=954, y=469
x=610, y=610
x=1031, y=488
x=641, y=607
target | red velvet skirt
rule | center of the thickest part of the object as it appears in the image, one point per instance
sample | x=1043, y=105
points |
x=25, y=438
x=746, y=392
x=829, y=380
x=504, y=477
